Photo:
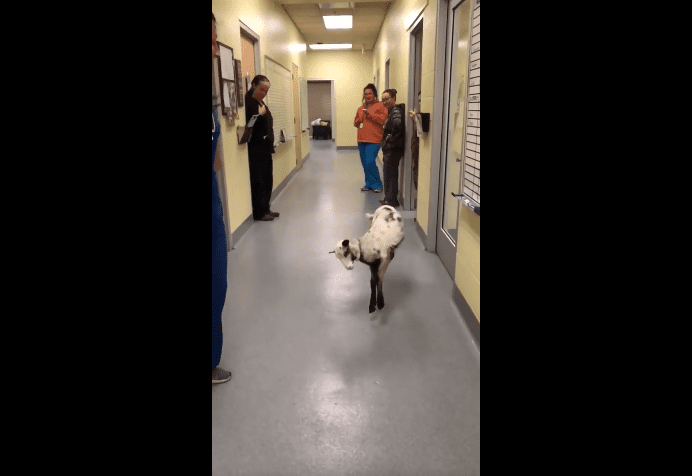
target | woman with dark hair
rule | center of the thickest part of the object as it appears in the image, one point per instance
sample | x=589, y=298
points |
x=370, y=120
x=260, y=149
x=393, y=145
x=219, y=258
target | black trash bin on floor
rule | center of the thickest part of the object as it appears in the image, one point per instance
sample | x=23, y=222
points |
x=322, y=132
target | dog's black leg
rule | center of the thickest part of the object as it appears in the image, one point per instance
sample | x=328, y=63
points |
x=380, y=295
x=373, y=288
x=382, y=270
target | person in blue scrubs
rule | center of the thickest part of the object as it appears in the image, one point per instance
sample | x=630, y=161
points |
x=219, y=257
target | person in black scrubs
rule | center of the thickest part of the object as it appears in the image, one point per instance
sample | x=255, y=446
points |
x=260, y=149
x=219, y=257
x=393, y=147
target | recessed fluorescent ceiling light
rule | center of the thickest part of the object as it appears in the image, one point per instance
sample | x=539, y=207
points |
x=338, y=22
x=331, y=47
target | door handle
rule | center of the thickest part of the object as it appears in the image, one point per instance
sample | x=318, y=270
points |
x=467, y=202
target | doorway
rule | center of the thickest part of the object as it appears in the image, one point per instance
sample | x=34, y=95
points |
x=409, y=175
x=386, y=74
x=297, y=125
x=454, y=129
x=322, y=104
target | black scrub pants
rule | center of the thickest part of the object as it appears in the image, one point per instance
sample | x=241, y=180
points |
x=261, y=179
x=391, y=177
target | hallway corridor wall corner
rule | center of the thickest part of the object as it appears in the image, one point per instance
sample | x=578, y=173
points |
x=281, y=41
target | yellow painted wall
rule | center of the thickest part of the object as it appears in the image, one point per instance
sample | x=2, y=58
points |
x=281, y=41
x=351, y=72
x=394, y=44
x=468, y=272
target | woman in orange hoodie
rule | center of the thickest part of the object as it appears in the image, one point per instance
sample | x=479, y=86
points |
x=370, y=121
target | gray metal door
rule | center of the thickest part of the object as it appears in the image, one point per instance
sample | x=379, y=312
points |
x=454, y=129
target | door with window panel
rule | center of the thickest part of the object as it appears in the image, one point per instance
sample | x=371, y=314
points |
x=454, y=131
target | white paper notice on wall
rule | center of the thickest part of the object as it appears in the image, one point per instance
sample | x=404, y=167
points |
x=227, y=66
x=419, y=127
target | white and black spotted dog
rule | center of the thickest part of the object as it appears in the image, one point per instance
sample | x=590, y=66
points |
x=375, y=249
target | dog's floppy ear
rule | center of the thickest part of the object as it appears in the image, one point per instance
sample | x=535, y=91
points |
x=355, y=251
x=345, y=243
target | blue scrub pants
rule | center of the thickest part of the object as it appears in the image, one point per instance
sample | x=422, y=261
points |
x=219, y=265
x=368, y=157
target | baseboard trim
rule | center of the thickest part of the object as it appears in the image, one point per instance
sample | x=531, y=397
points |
x=282, y=185
x=242, y=229
x=467, y=316
x=247, y=224
x=421, y=233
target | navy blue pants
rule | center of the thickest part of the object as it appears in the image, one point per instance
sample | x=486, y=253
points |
x=219, y=266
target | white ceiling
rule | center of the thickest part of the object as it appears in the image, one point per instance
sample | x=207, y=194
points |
x=368, y=16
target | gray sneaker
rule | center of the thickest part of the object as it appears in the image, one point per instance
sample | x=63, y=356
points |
x=220, y=376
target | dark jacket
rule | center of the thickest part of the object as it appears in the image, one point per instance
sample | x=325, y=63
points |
x=264, y=126
x=394, y=137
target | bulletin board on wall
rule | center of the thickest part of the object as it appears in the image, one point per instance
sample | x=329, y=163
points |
x=472, y=164
x=229, y=83
x=280, y=100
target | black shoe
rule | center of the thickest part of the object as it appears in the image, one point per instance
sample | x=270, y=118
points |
x=274, y=214
x=266, y=217
x=366, y=189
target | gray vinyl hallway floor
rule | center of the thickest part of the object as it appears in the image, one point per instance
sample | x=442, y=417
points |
x=320, y=387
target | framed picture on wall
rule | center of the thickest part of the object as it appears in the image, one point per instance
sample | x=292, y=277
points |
x=239, y=84
x=232, y=90
x=229, y=100
x=225, y=98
